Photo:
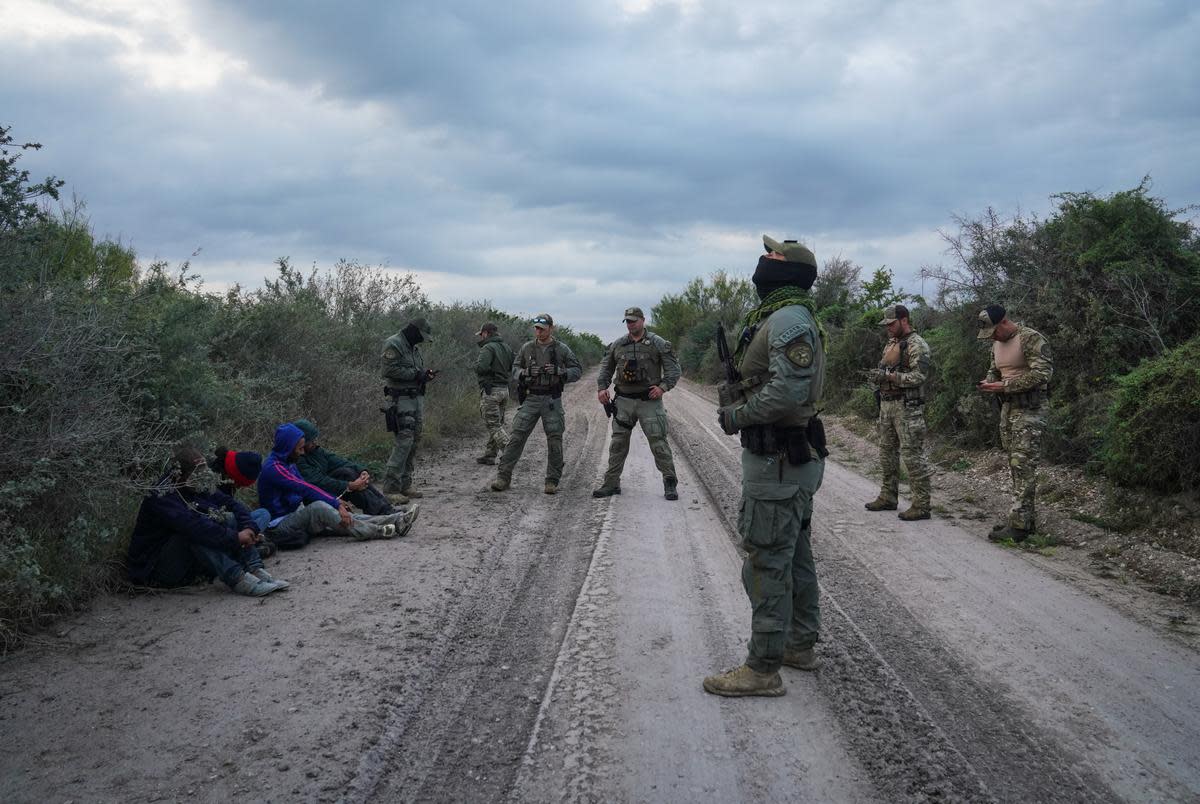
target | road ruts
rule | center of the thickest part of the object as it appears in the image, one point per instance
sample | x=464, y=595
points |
x=913, y=711
x=460, y=727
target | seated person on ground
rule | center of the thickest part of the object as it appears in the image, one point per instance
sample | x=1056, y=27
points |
x=239, y=470
x=300, y=510
x=339, y=476
x=187, y=529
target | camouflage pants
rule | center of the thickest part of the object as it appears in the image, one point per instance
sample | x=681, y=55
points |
x=902, y=434
x=491, y=408
x=779, y=574
x=408, y=438
x=651, y=414
x=1021, y=436
x=554, y=423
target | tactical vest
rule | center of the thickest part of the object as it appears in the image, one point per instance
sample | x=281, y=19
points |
x=413, y=356
x=541, y=383
x=755, y=372
x=638, y=366
x=895, y=358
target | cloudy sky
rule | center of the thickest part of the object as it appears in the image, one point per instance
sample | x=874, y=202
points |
x=576, y=156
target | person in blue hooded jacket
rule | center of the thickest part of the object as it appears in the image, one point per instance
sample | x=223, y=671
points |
x=300, y=510
x=187, y=529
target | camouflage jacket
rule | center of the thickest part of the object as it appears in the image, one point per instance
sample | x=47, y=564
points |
x=916, y=368
x=1038, y=363
x=494, y=364
x=639, y=364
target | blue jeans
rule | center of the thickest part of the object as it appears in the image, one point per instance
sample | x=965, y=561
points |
x=182, y=562
x=261, y=517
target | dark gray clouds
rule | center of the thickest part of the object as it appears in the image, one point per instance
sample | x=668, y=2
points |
x=618, y=148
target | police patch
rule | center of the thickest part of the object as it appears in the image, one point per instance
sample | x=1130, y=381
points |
x=391, y=353
x=800, y=352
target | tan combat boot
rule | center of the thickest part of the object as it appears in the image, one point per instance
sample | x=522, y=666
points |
x=801, y=658
x=743, y=681
x=880, y=504
x=1018, y=535
x=551, y=487
x=913, y=514
x=411, y=492
x=501, y=483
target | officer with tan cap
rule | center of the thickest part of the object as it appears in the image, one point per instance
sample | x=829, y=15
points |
x=646, y=368
x=1019, y=376
x=900, y=389
x=542, y=368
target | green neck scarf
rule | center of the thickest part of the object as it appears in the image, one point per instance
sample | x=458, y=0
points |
x=776, y=300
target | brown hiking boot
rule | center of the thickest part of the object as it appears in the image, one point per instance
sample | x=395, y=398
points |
x=880, y=504
x=411, y=492
x=396, y=498
x=801, y=658
x=913, y=514
x=501, y=484
x=551, y=487
x=743, y=681
x=1018, y=535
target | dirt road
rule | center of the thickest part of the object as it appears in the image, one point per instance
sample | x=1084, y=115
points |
x=528, y=647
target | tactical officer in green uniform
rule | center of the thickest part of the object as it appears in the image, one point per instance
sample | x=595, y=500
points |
x=646, y=368
x=900, y=391
x=406, y=377
x=493, y=367
x=542, y=368
x=1019, y=376
x=774, y=407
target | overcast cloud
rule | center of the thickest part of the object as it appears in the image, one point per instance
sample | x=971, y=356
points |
x=577, y=157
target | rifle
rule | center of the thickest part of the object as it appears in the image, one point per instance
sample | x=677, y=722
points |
x=730, y=391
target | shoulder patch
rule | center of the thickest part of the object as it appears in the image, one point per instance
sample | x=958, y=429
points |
x=391, y=353
x=791, y=333
x=800, y=352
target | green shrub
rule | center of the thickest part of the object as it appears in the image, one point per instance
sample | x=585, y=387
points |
x=1153, y=433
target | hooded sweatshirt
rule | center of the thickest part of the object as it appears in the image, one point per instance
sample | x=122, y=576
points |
x=281, y=489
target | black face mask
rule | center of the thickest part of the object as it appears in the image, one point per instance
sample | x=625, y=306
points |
x=770, y=275
x=412, y=335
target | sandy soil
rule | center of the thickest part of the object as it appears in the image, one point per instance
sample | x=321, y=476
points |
x=529, y=647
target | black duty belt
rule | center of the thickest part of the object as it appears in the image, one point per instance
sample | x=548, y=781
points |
x=1025, y=399
x=411, y=393
x=892, y=397
x=643, y=396
x=545, y=392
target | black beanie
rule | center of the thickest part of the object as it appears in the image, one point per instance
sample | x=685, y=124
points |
x=773, y=274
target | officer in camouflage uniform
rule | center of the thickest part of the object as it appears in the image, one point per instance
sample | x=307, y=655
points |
x=493, y=368
x=1019, y=375
x=405, y=374
x=542, y=368
x=774, y=407
x=646, y=368
x=900, y=383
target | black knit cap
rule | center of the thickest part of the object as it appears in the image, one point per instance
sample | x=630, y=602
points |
x=775, y=274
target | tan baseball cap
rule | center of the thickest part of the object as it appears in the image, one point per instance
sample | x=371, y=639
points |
x=894, y=313
x=487, y=329
x=543, y=320
x=633, y=313
x=989, y=317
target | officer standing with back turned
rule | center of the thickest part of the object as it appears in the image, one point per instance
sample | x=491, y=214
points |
x=773, y=406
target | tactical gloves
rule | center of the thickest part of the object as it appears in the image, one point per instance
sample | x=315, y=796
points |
x=727, y=418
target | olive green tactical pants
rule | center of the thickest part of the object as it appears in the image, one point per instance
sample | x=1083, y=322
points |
x=651, y=414
x=902, y=434
x=411, y=413
x=1021, y=436
x=491, y=408
x=779, y=574
x=554, y=423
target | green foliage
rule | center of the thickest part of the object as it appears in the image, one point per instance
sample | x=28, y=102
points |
x=1152, y=437
x=689, y=319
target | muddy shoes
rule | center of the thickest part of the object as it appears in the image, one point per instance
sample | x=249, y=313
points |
x=404, y=520
x=801, y=658
x=1006, y=532
x=880, y=504
x=745, y=681
x=409, y=491
x=501, y=483
x=606, y=491
x=253, y=586
x=913, y=514
x=669, y=488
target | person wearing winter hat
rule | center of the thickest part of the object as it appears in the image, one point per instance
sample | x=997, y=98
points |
x=300, y=510
x=188, y=529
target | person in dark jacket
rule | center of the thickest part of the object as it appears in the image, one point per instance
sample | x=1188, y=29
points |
x=239, y=470
x=301, y=510
x=339, y=476
x=187, y=529
x=493, y=368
